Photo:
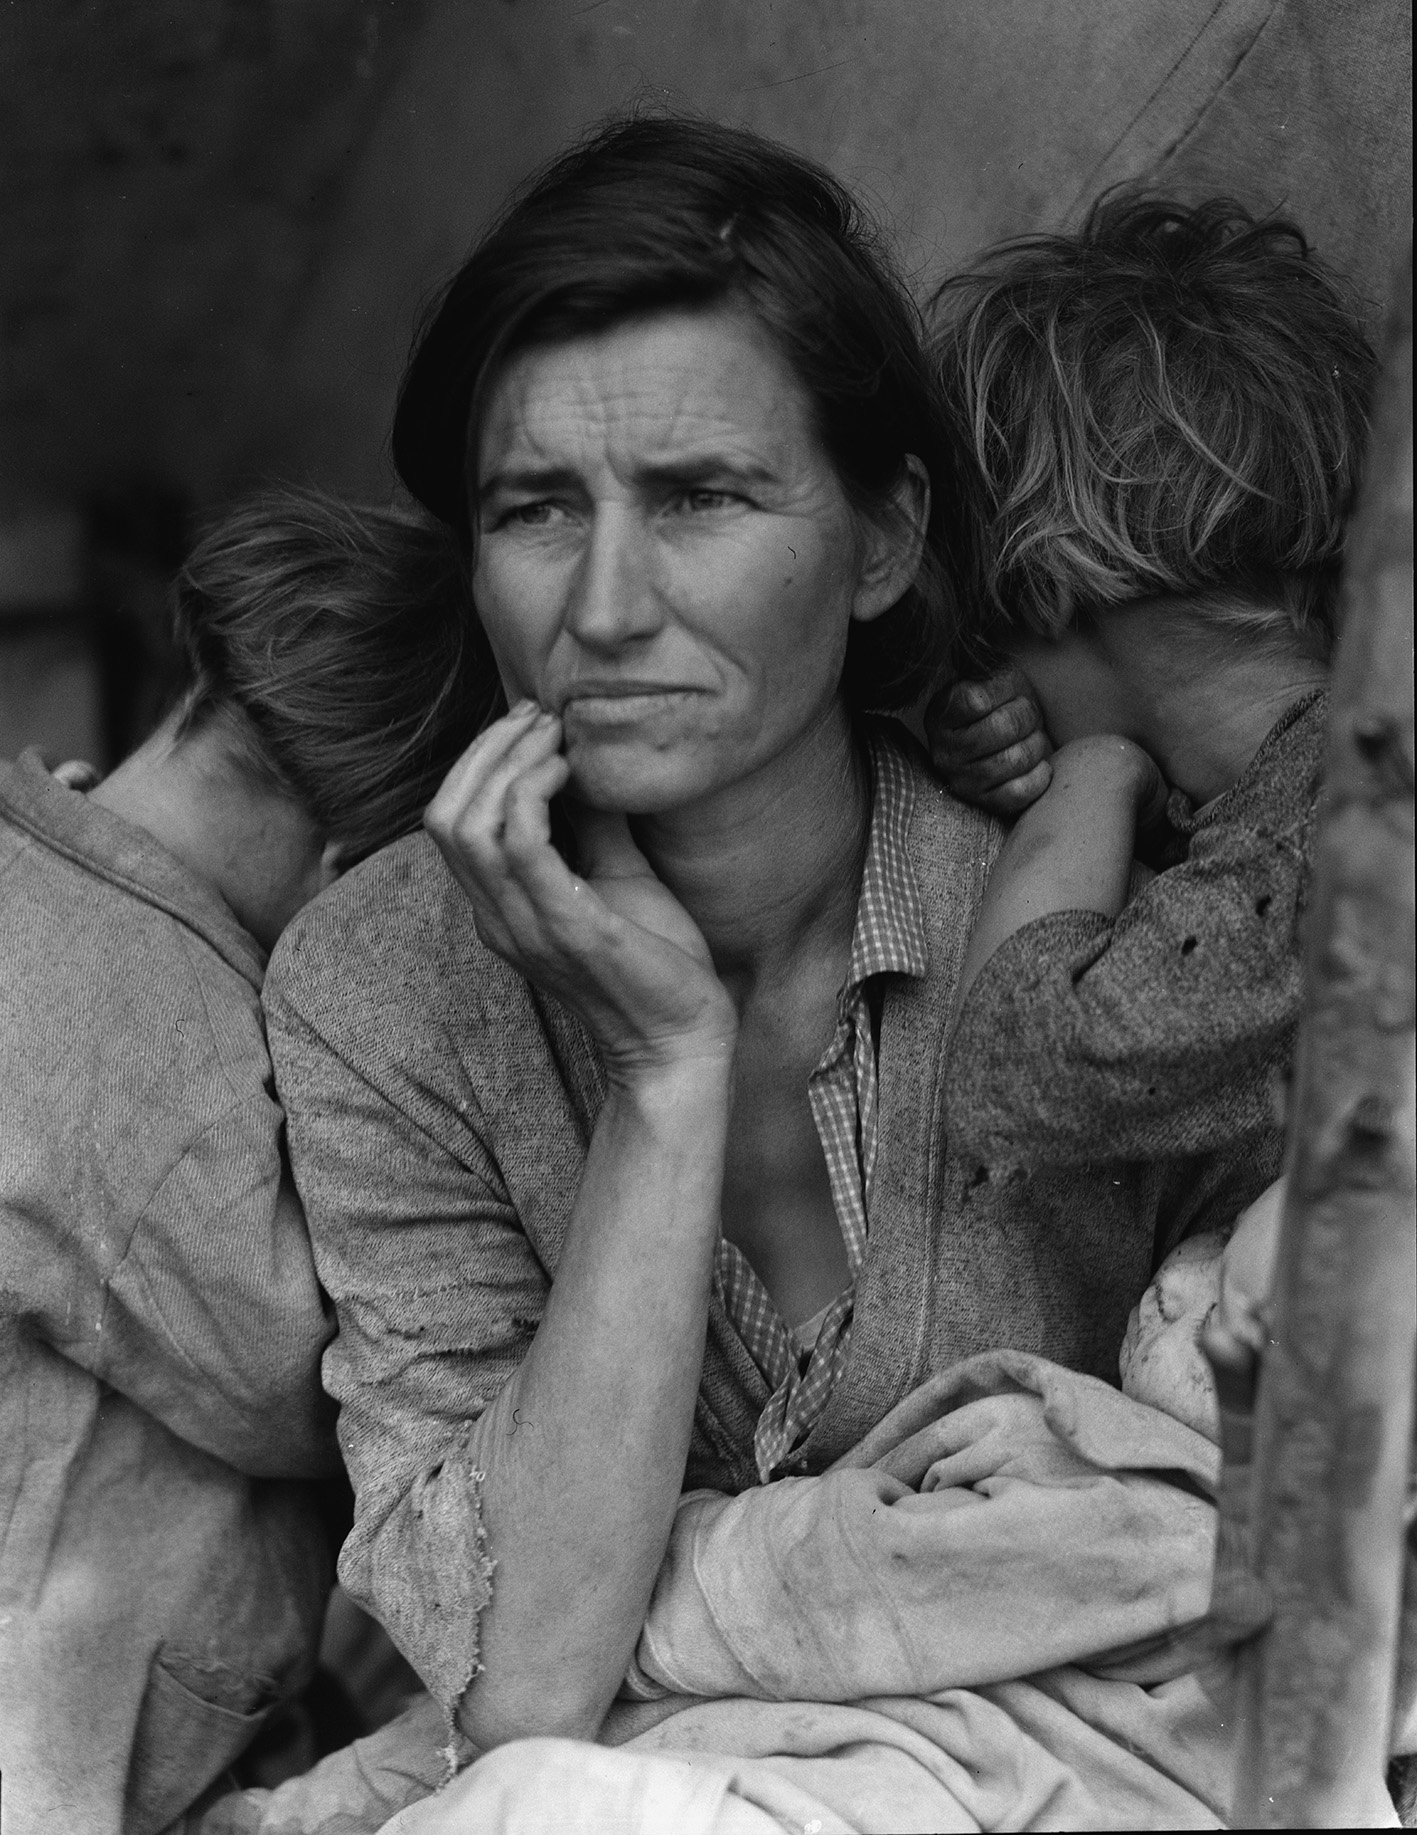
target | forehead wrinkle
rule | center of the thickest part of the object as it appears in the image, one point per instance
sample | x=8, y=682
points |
x=629, y=413
x=701, y=419
x=522, y=416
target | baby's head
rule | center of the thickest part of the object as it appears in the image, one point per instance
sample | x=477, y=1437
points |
x=1167, y=406
x=336, y=650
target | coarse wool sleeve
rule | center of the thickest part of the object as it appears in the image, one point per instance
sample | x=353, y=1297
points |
x=1171, y=1030
x=437, y=1288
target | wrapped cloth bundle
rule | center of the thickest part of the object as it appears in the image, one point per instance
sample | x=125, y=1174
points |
x=991, y=1614
x=984, y=1618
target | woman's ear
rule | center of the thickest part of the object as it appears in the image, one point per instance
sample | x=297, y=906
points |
x=894, y=543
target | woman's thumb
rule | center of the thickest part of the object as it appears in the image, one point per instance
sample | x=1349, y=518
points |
x=605, y=848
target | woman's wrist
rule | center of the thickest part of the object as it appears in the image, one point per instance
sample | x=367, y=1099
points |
x=668, y=1062
x=674, y=1078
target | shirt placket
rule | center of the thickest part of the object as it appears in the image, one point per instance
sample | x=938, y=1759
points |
x=834, y=1093
x=842, y=1095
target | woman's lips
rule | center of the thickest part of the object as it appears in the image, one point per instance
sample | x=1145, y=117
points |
x=623, y=705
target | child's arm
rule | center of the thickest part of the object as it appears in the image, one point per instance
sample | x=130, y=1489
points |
x=1072, y=849
x=1098, y=1025
x=1162, y=1031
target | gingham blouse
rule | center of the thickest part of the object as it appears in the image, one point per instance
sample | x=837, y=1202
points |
x=889, y=938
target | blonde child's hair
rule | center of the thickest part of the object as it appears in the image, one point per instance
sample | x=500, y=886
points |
x=1171, y=401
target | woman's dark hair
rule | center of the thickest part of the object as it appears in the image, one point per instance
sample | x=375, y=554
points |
x=652, y=214
x=1171, y=401
x=341, y=644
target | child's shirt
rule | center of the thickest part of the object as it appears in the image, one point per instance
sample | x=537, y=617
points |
x=163, y=1562
x=1169, y=1029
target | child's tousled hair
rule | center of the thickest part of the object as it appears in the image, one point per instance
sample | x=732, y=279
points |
x=1170, y=401
x=343, y=641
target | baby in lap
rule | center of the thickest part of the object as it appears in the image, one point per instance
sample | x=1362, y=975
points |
x=1209, y=1280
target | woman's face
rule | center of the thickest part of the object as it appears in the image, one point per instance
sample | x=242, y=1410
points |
x=665, y=556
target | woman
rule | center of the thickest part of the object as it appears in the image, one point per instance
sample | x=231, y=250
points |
x=163, y=1559
x=628, y=1174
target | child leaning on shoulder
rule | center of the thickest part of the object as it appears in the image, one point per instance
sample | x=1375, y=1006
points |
x=162, y=1426
x=1167, y=413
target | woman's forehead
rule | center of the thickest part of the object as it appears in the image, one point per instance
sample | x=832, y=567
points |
x=652, y=389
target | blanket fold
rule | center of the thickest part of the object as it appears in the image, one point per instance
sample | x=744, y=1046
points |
x=1007, y=1517
x=989, y=1615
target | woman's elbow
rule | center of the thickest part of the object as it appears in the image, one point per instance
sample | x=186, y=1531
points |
x=495, y=1712
x=417, y=1560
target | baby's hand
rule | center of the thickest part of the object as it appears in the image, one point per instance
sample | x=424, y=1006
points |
x=988, y=743
x=1247, y=1268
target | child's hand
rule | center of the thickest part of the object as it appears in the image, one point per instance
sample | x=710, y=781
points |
x=988, y=743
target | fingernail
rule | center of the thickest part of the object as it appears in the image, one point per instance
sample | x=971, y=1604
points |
x=521, y=710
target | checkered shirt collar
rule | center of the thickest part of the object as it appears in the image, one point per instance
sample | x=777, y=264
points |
x=890, y=923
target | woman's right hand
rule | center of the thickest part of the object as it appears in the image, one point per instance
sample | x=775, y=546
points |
x=614, y=945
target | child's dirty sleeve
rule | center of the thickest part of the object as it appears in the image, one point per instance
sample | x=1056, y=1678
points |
x=1171, y=1030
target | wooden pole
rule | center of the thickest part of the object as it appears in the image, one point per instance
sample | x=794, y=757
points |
x=1334, y=1411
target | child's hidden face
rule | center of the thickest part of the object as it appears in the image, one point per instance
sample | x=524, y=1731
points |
x=1077, y=685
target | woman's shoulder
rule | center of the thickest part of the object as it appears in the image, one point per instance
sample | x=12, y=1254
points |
x=388, y=895
x=951, y=844
x=404, y=1049
x=392, y=943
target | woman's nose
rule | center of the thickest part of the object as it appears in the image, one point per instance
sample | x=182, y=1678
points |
x=614, y=598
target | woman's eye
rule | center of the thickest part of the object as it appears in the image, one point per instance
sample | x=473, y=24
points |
x=529, y=515
x=705, y=499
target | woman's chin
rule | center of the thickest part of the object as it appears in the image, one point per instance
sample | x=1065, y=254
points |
x=636, y=780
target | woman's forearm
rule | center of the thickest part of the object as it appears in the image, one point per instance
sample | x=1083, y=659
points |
x=584, y=1449
x=1072, y=851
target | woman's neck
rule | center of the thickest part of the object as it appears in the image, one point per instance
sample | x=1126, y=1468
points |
x=770, y=868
